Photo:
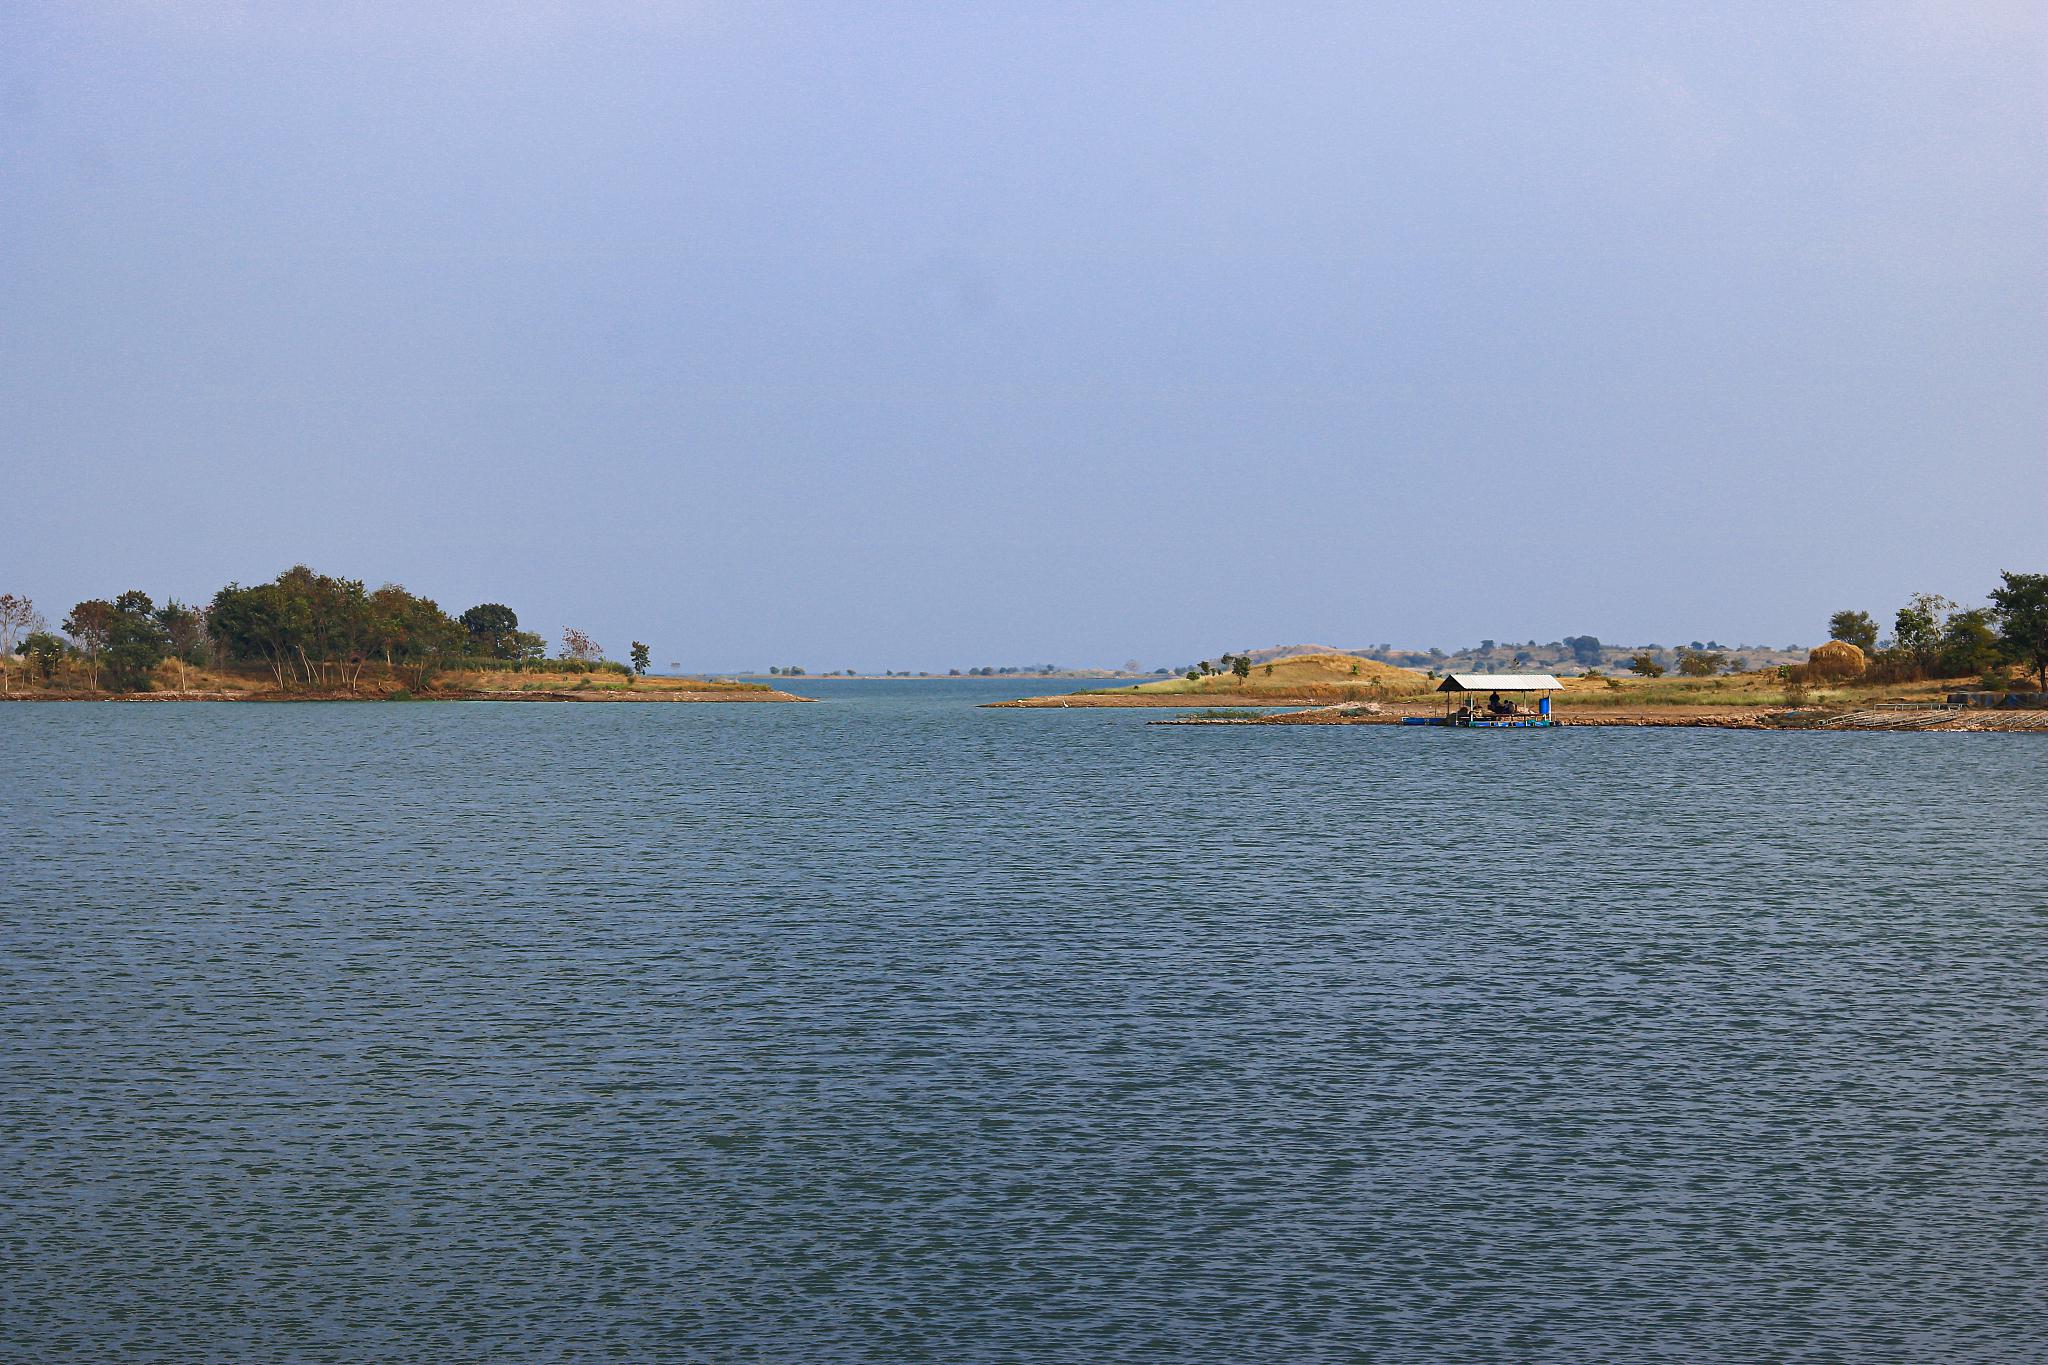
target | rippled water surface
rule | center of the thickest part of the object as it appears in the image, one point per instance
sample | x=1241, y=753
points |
x=893, y=1029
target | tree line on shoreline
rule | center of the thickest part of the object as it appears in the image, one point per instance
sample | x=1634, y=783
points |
x=303, y=629
x=1934, y=637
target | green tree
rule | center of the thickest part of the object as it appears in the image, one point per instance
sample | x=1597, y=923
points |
x=90, y=624
x=184, y=634
x=1242, y=667
x=43, y=651
x=1645, y=664
x=391, y=623
x=1854, y=628
x=1918, y=629
x=337, y=637
x=135, y=643
x=1969, y=646
x=492, y=627
x=640, y=657
x=301, y=625
x=2021, y=606
x=414, y=635
x=263, y=624
x=185, y=629
x=1700, y=663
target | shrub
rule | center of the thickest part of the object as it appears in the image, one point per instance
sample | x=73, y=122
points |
x=1892, y=666
x=44, y=652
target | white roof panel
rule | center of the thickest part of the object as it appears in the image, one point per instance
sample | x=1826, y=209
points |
x=1500, y=682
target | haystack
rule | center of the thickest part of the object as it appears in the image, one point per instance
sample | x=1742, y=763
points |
x=1836, y=659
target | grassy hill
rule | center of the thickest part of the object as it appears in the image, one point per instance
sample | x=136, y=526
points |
x=1332, y=675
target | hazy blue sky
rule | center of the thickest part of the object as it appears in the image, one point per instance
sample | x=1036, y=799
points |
x=885, y=335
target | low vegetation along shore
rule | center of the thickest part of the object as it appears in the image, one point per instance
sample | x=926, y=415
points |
x=305, y=636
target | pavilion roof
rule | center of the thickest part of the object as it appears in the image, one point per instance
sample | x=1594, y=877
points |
x=1500, y=682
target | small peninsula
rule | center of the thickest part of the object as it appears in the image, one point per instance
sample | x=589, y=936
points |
x=1323, y=690
x=1286, y=680
x=1942, y=667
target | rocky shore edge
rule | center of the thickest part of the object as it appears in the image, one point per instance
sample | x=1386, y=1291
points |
x=1881, y=718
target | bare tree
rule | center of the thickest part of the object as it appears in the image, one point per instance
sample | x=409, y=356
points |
x=576, y=645
x=19, y=619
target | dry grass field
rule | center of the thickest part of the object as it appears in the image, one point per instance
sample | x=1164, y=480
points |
x=1299, y=680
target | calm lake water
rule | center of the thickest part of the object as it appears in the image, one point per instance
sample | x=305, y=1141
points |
x=891, y=1029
